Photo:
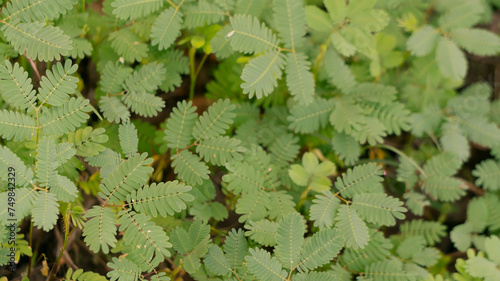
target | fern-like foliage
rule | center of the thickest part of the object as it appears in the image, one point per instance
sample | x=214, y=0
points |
x=220, y=150
x=24, y=174
x=130, y=175
x=16, y=87
x=261, y=74
x=166, y=28
x=127, y=133
x=45, y=210
x=58, y=84
x=214, y=121
x=100, y=229
x=289, y=238
x=88, y=142
x=310, y=118
x=129, y=9
x=488, y=175
x=180, y=125
x=361, y=179
x=16, y=126
x=63, y=119
x=354, y=228
x=189, y=167
x=149, y=238
x=161, y=199
x=263, y=232
x=290, y=20
x=37, y=40
x=251, y=36
x=299, y=79
x=320, y=249
x=205, y=13
x=378, y=208
x=128, y=45
x=265, y=267
x=324, y=209
x=32, y=10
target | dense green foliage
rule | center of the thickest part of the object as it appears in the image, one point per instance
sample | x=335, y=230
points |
x=333, y=140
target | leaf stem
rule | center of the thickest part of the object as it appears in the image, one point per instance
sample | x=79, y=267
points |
x=192, y=72
x=401, y=153
x=53, y=272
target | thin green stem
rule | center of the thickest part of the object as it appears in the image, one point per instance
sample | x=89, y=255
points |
x=31, y=245
x=53, y=272
x=194, y=72
x=83, y=6
x=192, y=52
x=401, y=153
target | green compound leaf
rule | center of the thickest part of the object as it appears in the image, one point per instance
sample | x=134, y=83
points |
x=114, y=110
x=127, y=134
x=360, y=179
x=36, y=10
x=352, y=227
x=161, y=199
x=16, y=126
x=324, y=210
x=346, y=147
x=264, y=267
x=216, y=262
x=128, y=45
x=180, y=124
x=451, y=60
x=16, y=87
x=23, y=174
x=129, y=176
x=149, y=239
x=477, y=41
x=64, y=189
x=312, y=117
x=378, y=208
x=38, y=41
x=423, y=41
x=147, y=79
x=123, y=269
x=45, y=210
x=299, y=79
x=204, y=13
x=250, y=36
x=88, y=142
x=444, y=188
x=113, y=76
x=289, y=238
x=220, y=150
x=253, y=206
x=46, y=162
x=488, y=174
x=100, y=230
x=133, y=9
x=166, y=28
x=320, y=249
x=144, y=104
x=430, y=230
x=58, y=84
x=262, y=232
x=290, y=21
x=189, y=167
x=261, y=73
x=235, y=248
x=386, y=270
x=66, y=118
x=215, y=121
